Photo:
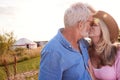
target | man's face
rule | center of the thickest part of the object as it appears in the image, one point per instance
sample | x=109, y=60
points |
x=85, y=27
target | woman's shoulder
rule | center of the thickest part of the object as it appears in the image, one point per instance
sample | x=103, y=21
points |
x=118, y=54
x=117, y=45
x=118, y=48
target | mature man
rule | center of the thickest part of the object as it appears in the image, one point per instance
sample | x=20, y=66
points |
x=65, y=56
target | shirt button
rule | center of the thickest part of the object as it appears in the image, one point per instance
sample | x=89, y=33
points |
x=70, y=46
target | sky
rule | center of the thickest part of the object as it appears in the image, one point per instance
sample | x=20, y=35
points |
x=39, y=20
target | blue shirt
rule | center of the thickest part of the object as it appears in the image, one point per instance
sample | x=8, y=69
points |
x=59, y=61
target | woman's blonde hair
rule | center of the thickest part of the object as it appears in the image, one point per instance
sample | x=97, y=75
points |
x=105, y=50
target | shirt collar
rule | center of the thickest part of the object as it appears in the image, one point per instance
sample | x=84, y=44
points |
x=62, y=39
x=82, y=42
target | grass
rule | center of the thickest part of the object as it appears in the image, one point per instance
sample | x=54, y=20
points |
x=21, y=55
x=27, y=65
x=35, y=77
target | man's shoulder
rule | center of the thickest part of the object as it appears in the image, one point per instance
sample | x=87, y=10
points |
x=50, y=46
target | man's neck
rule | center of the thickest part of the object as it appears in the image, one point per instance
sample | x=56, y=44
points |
x=71, y=35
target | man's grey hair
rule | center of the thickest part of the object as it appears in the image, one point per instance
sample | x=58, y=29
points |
x=77, y=12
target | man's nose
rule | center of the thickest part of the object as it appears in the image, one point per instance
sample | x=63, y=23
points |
x=90, y=28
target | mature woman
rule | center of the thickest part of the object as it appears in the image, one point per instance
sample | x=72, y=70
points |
x=104, y=56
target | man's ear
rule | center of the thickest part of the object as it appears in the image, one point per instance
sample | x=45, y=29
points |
x=80, y=24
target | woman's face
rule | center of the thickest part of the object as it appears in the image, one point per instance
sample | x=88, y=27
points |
x=95, y=30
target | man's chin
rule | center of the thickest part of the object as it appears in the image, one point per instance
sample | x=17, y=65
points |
x=85, y=35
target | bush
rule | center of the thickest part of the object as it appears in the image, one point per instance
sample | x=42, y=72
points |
x=19, y=51
x=21, y=55
x=24, y=57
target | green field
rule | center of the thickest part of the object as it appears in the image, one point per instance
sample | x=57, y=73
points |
x=27, y=65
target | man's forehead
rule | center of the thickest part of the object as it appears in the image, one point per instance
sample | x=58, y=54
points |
x=90, y=18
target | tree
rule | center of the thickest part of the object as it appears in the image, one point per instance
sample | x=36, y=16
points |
x=6, y=42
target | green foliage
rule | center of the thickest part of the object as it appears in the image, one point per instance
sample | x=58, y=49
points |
x=6, y=42
x=21, y=67
x=21, y=55
x=19, y=51
x=24, y=57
